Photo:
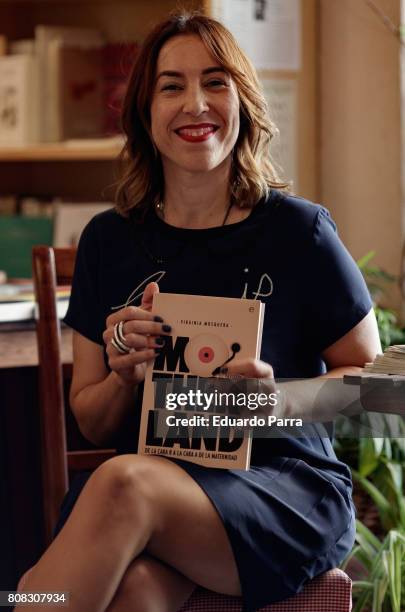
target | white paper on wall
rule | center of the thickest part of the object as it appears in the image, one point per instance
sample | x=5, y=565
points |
x=269, y=31
x=281, y=96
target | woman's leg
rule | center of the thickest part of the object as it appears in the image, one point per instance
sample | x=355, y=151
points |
x=150, y=585
x=132, y=504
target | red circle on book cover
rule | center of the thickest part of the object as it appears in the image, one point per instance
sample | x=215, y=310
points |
x=204, y=353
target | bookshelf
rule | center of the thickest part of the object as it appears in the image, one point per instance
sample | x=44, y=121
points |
x=61, y=151
x=74, y=170
x=38, y=169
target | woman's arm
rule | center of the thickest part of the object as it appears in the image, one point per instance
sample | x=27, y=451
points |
x=99, y=399
x=349, y=354
x=321, y=398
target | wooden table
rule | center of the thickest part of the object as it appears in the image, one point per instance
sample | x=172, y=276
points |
x=20, y=452
x=18, y=349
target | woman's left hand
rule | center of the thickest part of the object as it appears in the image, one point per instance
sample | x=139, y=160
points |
x=263, y=372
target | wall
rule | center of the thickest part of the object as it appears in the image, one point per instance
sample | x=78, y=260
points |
x=360, y=128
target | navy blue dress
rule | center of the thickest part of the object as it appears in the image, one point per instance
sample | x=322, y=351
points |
x=290, y=517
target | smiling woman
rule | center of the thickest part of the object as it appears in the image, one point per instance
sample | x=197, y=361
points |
x=217, y=92
x=199, y=106
x=201, y=210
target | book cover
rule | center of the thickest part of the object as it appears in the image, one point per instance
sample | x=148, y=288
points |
x=207, y=333
x=17, y=302
x=18, y=235
x=44, y=35
x=76, y=91
x=71, y=218
x=117, y=63
x=18, y=100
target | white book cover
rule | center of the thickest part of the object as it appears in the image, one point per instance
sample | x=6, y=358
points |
x=72, y=218
x=26, y=310
x=207, y=333
x=18, y=100
x=44, y=35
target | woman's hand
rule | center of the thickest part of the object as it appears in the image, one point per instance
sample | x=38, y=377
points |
x=144, y=335
x=257, y=369
x=248, y=368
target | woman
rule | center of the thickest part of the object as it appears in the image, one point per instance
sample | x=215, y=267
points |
x=199, y=212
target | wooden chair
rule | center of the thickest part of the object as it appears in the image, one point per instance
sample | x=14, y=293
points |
x=53, y=267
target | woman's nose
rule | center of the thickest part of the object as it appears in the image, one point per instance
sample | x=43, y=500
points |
x=195, y=101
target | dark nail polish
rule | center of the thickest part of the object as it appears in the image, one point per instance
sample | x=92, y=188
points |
x=157, y=351
x=166, y=328
x=158, y=319
x=160, y=340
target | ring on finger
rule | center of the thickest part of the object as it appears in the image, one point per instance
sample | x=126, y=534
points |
x=118, y=340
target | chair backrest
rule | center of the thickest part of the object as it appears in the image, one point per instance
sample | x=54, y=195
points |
x=53, y=267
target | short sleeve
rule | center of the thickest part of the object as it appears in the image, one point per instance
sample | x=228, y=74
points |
x=336, y=294
x=83, y=313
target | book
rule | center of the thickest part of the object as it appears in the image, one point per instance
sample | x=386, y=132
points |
x=71, y=219
x=45, y=52
x=8, y=205
x=18, y=100
x=18, y=234
x=117, y=63
x=23, y=46
x=36, y=207
x=207, y=333
x=75, y=90
x=17, y=302
x=3, y=45
x=392, y=362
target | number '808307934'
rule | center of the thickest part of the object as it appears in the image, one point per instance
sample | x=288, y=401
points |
x=17, y=597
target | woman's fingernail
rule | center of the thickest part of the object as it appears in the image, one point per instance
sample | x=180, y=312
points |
x=158, y=319
x=157, y=350
x=160, y=340
x=167, y=328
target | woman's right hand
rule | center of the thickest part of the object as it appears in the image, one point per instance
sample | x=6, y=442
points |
x=144, y=334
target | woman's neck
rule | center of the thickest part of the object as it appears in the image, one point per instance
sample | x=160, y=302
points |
x=196, y=200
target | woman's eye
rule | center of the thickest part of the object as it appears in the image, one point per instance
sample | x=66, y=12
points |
x=170, y=87
x=216, y=83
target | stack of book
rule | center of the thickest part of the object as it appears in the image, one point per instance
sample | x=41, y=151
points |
x=392, y=362
x=66, y=83
x=17, y=302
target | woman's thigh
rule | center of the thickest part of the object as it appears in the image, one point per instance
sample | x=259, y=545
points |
x=188, y=533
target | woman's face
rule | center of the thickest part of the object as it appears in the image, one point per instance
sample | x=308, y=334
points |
x=195, y=107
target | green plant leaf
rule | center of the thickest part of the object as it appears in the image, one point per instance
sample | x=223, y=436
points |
x=363, y=261
x=396, y=471
x=371, y=542
x=380, y=589
x=368, y=457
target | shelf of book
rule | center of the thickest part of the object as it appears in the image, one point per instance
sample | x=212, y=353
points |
x=61, y=151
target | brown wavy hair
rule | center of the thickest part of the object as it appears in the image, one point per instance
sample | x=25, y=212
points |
x=253, y=174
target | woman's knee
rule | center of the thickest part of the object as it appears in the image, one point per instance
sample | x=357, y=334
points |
x=149, y=585
x=124, y=482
